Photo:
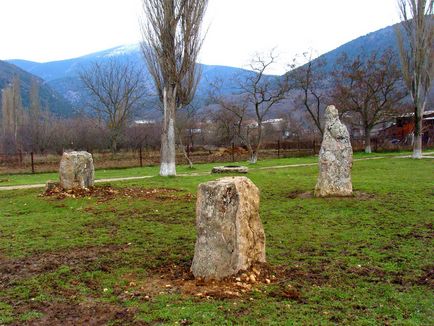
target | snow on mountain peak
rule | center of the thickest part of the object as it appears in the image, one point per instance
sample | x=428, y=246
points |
x=123, y=49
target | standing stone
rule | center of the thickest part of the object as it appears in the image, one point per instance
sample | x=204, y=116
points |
x=76, y=170
x=335, y=158
x=230, y=236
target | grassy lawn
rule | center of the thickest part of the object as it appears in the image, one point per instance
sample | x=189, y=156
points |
x=123, y=258
x=41, y=178
x=21, y=179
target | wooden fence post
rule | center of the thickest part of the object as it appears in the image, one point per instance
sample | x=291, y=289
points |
x=278, y=148
x=141, y=156
x=233, y=152
x=33, y=162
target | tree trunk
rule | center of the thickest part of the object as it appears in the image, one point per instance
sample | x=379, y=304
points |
x=114, y=146
x=181, y=145
x=417, y=147
x=168, y=150
x=253, y=157
x=115, y=135
x=417, y=143
x=368, y=141
x=254, y=153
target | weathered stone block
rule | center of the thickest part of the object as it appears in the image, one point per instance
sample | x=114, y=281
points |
x=76, y=170
x=335, y=158
x=230, y=235
x=230, y=169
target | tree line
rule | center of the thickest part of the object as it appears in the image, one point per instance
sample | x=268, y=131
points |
x=368, y=89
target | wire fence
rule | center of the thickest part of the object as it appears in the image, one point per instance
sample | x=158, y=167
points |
x=29, y=162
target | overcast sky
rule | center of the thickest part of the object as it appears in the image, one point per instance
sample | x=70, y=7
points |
x=47, y=30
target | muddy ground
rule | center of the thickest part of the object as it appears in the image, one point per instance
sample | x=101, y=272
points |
x=279, y=282
x=67, y=305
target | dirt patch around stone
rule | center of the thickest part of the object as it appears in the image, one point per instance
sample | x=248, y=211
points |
x=358, y=195
x=279, y=282
x=172, y=278
x=300, y=194
x=178, y=279
x=107, y=193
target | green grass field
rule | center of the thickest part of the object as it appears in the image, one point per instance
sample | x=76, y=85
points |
x=38, y=178
x=123, y=258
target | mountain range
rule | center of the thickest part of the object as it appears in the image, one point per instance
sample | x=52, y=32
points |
x=380, y=41
x=61, y=77
x=49, y=97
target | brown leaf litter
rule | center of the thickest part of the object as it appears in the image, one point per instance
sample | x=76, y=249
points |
x=107, y=192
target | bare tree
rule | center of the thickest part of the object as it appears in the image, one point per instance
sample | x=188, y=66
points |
x=232, y=120
x=35, y=115
x=80, y=132
x=223, y=125
x=310, y=80
x=186, y=126
x=38, y=121
x=415, y=41
x=171, y=43
x=258, y=92
x=369, y=88
x=117, y=89
x=12, y=115
x=142, y=135
x=262, y=92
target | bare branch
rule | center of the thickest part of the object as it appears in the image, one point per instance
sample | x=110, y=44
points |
x=415, y=43
x=369, y=88
x=117, y=90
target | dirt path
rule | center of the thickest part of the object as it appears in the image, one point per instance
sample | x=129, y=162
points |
x=309, y=164
x=41, y=185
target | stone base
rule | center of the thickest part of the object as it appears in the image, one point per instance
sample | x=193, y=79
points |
x=230, y=169
x=346, y=191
